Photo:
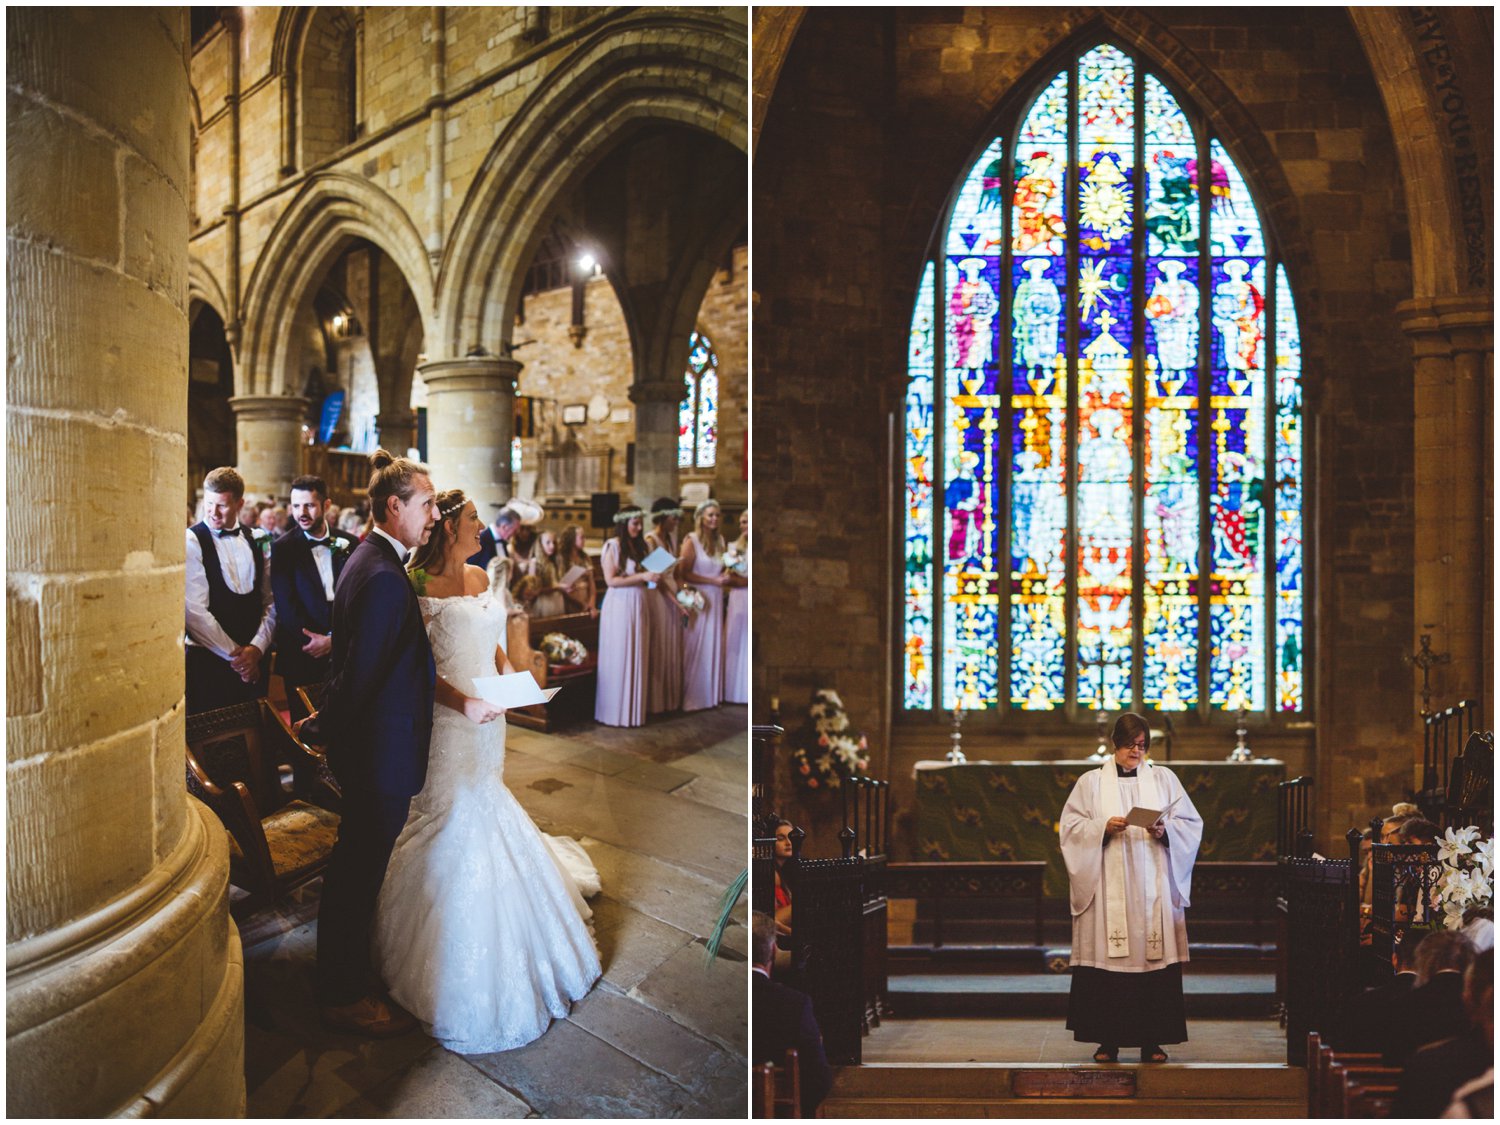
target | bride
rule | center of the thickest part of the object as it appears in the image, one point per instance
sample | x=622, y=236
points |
x=480, y=930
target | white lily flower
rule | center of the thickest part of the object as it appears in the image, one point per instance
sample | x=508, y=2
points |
x=1451, y=846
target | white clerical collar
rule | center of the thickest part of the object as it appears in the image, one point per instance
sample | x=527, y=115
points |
x=401, y=552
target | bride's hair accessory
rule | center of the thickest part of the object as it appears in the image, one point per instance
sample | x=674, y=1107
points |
x=453, y=506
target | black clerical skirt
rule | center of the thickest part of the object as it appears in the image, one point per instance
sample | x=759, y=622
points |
x=1127, y=1009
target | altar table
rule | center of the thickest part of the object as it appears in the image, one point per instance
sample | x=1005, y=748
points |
x=1009, y=810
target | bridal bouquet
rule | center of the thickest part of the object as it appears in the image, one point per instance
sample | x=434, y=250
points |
x=829, y=750
x=736, y=561
x=691, y=599
x=559, y=648
x=1468, y=874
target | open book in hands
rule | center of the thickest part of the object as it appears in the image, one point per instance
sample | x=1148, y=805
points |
x=1146, y=818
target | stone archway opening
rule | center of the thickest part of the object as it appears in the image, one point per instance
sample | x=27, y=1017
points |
x=210, y=419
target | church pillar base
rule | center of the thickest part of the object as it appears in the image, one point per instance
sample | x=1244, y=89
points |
x=138, y=1008
x=471, y=418
x=657, y=406
x=268, y=437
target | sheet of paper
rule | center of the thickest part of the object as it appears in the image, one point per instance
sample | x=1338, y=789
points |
x=659, y=560
x=1143, y=818
x=519, y=689
x=572, y=576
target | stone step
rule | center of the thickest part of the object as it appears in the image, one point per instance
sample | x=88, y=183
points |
x=919, y=1090
x=1032, y=995
x=1207, y=957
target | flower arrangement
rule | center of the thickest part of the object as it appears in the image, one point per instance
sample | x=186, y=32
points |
x=559, y=648
x=418, y=579
x=829, y=750
x=691, y=599
x=736, y=561
x=1468, y=874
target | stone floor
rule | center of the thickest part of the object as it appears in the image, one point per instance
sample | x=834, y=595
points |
x=661, y=810
x=1048, y=1041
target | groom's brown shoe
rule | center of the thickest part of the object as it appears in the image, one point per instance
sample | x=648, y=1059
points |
x=372, y=1016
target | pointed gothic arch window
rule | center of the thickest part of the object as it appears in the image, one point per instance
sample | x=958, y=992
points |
x=1103, y=429
x=698, y=416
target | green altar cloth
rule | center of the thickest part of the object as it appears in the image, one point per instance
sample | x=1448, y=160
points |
x=1009, y=810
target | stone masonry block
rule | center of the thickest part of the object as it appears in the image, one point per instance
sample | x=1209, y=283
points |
x=93, y=472
x=23, y=655
x=70, y=201
x=112, y=657
x=170, y=793
x=120, y=88
x=94, y=340
x=156, y=230
x=103, y=789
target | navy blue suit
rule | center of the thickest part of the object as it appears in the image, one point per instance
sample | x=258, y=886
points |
x=376, y=720
x=302, y=603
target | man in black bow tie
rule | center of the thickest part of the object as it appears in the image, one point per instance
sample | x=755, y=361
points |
x=231, y=615
x=305, y=564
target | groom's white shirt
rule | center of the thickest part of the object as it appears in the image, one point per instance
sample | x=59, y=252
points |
x=237, y=563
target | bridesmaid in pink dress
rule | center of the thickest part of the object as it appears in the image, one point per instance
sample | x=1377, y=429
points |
x=624, y=627
x=664, y=691
x=702, y=565
x=737, y=624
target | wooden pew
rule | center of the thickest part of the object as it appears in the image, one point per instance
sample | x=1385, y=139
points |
x=523, y=646
x=1362, y=1091
x=1320, y=1060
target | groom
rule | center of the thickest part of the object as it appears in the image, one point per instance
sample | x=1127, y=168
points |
x=376, y=720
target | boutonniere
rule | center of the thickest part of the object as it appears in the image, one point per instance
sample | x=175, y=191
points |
x=341, y=547
x=418, y=578
x=263, y=541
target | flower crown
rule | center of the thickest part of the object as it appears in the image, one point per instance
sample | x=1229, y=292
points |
x=629, y=514
x=665, y=513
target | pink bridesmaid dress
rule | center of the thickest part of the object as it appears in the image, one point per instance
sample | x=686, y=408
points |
x=624, y=642
x=664, y=668
x=703, y=644
x=737, y=645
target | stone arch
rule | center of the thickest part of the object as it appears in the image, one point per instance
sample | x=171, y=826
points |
x=203, y=286
x=628, y=74
x=1429, y=174
x=295, y=28
x=328, y=211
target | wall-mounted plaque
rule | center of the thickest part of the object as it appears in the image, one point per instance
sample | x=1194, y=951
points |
x=575, y=415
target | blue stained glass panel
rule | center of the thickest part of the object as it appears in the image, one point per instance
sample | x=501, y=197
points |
x=917, y=646
x=1171, y=184
x=1289, y=582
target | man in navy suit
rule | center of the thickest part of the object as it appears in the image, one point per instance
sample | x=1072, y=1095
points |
x=494, y=539
x=305, y=564
x=376, y=720
x=784, y=1019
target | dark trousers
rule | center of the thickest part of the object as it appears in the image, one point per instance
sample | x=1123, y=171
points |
x=370, y=823
x=212, y=683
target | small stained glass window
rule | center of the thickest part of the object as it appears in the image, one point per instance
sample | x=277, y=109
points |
x=698, y=416
x=1103, y=457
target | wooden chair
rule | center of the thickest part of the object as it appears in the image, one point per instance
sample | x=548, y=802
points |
x=788, y=1097
x=311, y=696
x=762, y=1091
x=278, y=839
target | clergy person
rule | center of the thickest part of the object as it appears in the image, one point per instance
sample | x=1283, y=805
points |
x=1128, y=888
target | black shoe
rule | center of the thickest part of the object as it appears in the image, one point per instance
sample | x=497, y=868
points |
x=1153, y=1055
x=1107, y=1055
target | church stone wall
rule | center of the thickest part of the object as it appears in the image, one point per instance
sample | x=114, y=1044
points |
x=872, y=122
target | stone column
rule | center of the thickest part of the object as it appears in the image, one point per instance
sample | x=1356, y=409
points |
x=471, y=418
x=268, y=437
x=124, y=984
x=1453, y=340
x=657, y=405
x=396, y=430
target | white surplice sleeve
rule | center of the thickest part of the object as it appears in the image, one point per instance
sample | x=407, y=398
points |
x=1184, y=834
x=1081, y=834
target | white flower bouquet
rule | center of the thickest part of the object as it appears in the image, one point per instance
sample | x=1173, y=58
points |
x=1468, y=875
x=736, y=561
x=559, y=648
x=691, y=599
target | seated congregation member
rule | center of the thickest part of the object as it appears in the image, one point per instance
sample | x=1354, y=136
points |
x=493, y=539
x=581, y=594
x=701, y=564
x=1432, y=1073
x=305, y=564
x=783, y=1020
x=231, y=614
x=737, y=624
x=624, y=625
x=548, y=599
x=664, y=692
x=1362, y=1023
x=1434, y=1009
x=1128, y=889
x=273, y=520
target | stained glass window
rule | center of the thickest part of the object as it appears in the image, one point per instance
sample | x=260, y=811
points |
x=698, y=416
x=1087, y=517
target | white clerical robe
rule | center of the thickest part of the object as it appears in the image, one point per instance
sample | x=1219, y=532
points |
x=1169, y=868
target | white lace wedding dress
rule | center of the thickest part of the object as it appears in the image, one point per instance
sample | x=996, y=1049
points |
x=480, y=931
